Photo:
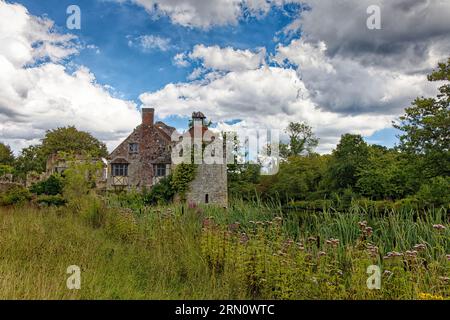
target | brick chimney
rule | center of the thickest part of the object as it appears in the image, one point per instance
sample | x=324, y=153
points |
x=148, y=115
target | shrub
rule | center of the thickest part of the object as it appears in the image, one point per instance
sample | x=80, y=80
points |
x=15, y=196
x=435, y=193
x=93, y=210
x=374, y=207
x=51, y=200
x=407, y=204
x=79, y=180
x=5, y=169
x=52, y=186
x=162, y=193
x=317, y=205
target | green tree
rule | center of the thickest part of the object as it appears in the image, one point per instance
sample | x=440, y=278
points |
x=385, y=175
x=70, y=140
x=242, y=180
x=301, y=140
x=6, y=155
x=30, y=159
x=435, y=193
x=349, y=156
x=426, y=127
x=298, y=179
x=67, y=139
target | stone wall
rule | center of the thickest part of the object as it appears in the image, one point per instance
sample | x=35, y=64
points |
x=209, y=185
x=5, y=186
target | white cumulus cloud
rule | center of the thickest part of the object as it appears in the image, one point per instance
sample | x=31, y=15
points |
x=37, y=93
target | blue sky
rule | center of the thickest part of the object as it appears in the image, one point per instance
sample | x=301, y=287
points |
x=108, y=25
x=260, y=62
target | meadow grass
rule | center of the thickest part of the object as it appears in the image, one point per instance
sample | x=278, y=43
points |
x=249, y=251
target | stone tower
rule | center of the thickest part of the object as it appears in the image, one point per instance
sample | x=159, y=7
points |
x=210, y=184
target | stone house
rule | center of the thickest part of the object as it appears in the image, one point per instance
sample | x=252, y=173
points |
x=145, y=157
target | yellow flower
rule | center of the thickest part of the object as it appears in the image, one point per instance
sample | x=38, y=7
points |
x=429, y=296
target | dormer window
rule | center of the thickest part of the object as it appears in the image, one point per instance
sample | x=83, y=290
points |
x=133, y=148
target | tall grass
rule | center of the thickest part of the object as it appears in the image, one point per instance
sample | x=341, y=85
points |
x=250, y=250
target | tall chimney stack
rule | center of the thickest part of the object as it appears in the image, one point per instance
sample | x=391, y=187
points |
x=148, y=115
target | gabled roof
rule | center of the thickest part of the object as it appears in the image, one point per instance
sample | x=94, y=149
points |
x=160, y=128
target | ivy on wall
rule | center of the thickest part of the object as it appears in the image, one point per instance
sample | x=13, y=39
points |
x=182, y=176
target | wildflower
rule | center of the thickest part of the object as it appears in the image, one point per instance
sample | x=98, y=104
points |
x=393, y=254
x=411, y=254
x=373, y=250
x=420, y=247
x=288, y=242
x=368, y=231
x=321, y=253
x=234, y=226
x=312, y=239
x=444, y=279
x=429, y=296
x=362, y=224
x=439, y=227
x=192, y=205
x=300, y=246
x=387, y=273
x=277, y=220
x=448, y=257
x=243, y=238
x=208, y=222
x=332, y=242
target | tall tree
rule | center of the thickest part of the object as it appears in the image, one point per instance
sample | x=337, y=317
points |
x=426, y=127
x=385, y=175
x=6, y=155
x=66, y=139
x=301, y=140
x=30, y=159
x=349, y=156
x=69, y=139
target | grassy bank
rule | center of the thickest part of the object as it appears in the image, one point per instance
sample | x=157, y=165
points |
x=249, y=251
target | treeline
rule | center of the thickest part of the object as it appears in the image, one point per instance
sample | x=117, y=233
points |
x=416, y=171
x=34, y=157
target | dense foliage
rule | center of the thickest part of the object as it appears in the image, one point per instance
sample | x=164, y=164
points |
x=416, y=171
x=61, y=140
x=162, y=193
x=183, y=174
x=52, y=186
x=6, y=155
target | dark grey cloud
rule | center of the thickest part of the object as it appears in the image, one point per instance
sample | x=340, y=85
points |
x=412, y=33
